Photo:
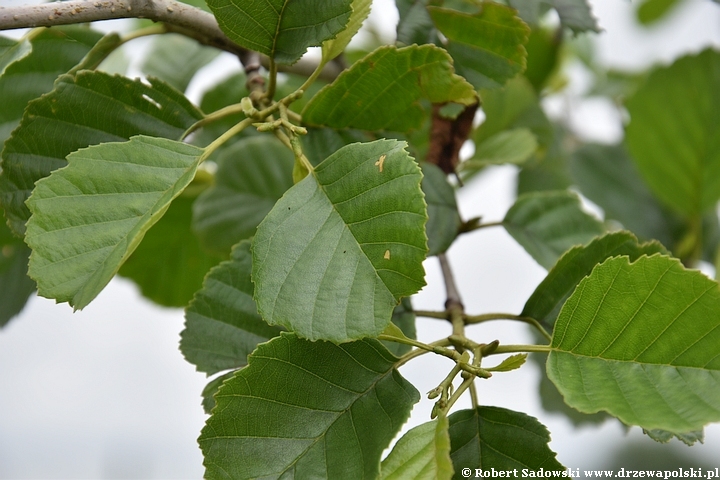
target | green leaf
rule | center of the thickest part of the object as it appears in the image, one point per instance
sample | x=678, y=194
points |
x=98, y=53
x=488, y=47
x=543, y=57
x=575, y=15
x=340, y=248
x=689, y=438
x=493, y=437
x=11, y=51
x=403, y=317
x=423, y=453
x=333, y=48
x=88, y=217
x=307, y=410
x=281, y=29
x=222, y=326
x=169, y=264
x=54, y=52
x=208, y=393
x=415, y=24
x=175, y=59
x=607, y=176
x=513, y=362
x=320, y=143
x=383, y=90
x=548, y=298
x=507, y=147
x=640, y=341
x=674, y=132
x=650, y=11
x=85, y=110
x=253, y=174
x=547, y=224
x=443, y=216
x=15, y=285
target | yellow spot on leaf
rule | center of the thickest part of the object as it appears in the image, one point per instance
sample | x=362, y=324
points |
x=387, y=253
x=379, y=164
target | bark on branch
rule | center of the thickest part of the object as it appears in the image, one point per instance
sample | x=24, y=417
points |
x=177, y=17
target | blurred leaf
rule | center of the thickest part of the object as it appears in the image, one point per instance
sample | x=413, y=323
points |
x=15, y=286
x=423, y=453
x=382, y=91
x=227, y=92
x=415, y=24
x=487, y=47
x=443, y=217
x=334, y=47
x=404, y=318
x=543, y=48
x=352, y=230
x=320, y=143
x=175, y=59
x=280, y=29
x=222, y=326
x=87, y=109
x=547, y=224
x=650, y=11
x=54, y=52
x=575, y=15
x=577, y=263
x=548, y=169
x=169, y=264
x=102, y=49
x=299, y=405
x=493, y=437
x=88, y=217
x=689, y=438
x=507, y=147
x=674, y=130
x=253, y=174
x=11, y=51
x=640, y=340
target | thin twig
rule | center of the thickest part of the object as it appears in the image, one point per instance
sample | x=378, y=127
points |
x=486, y=317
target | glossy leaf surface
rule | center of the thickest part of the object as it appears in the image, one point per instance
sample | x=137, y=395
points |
x=281, y=29
x=383, y=90
x=88, y=217
x=253, y=174
x=487, y=47
x=84, y=110
x=676, y=144
x=307, y=409
x=493, y=437
x=443, y=216
x=340, y=248
x=222, y=326
x=547, y=224
x=619, y=345
x=423, y=453
x=548, y=298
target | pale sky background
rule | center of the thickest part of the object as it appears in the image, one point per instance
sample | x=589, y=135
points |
x=105, y=393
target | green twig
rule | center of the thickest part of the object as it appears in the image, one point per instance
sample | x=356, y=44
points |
x=473, y=319
x=227, y=135
x=439, y=315
x=521, y=349
x=420, y=351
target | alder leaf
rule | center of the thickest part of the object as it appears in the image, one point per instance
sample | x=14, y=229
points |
x=253, y=174
x=513, y=362
x=494, y=437
x=305, y=409
x=88, y=217
x=674, y=130
x=383, y=90
x=547, y=224
x=334, y=47
x=507, y=147
x=175, y=59
x=487, y=47
x=443, y=216
x=640, y=341
x=222, y=326
x=548, y=298
x=403, y=317
x=281, y=29
x=423, y=453
x=575, y=15
x=208, y=393
x=54, y=51
x=11, y=51
x=340, y=248
x=87, y=109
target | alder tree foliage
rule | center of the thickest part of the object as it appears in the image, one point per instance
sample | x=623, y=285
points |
x=291, y=211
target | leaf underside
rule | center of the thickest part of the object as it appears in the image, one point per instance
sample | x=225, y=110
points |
x=423, y=453
x=619, y=345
